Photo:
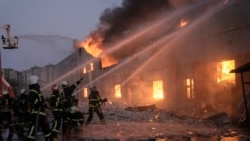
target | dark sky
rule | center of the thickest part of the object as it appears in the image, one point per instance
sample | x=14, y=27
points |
x=46, y=28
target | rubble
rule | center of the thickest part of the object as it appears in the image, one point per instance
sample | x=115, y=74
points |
x=126, y=123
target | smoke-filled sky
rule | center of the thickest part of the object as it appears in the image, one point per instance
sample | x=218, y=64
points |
x=46, y=28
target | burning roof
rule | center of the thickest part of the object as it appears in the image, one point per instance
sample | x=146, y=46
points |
x=134, y=25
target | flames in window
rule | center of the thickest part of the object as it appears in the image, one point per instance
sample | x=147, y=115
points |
x=223, y=69
x=190, y=88
x=118, y=91
x=91, y=66
x=158, y=89
x=85, y=92
x=84, y=71
x=88, y=68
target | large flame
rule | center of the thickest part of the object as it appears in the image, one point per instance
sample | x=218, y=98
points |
x=108, y=61
x=94, y=47
x=224, y=69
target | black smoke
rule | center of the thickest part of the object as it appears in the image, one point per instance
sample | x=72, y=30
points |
x=119, y=21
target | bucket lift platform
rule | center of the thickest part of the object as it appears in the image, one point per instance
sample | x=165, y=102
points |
x=9, y=42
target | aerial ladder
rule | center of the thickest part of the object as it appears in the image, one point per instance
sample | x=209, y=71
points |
x=8, y=42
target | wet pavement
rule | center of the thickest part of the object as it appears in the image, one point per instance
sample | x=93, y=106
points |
x=151, y=125
x=140, y=132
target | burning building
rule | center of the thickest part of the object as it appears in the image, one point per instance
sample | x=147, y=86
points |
x=177, y=55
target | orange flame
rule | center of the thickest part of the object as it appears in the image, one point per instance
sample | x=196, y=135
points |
x=183, y=22
x=158, y=89
x=224, y=68
x=94, y=47
x=108, y=61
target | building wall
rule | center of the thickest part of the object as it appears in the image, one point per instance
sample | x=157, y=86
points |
x=223, y=36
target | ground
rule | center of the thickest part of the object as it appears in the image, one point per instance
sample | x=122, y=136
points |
x=154, y=124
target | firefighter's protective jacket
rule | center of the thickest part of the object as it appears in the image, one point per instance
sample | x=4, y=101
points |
x=37, y=101
x=94, y=99
x=67, y=95
x=6, y=103
x=56, y=102
x=23, y=103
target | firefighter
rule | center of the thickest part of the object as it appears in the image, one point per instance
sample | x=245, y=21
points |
x=57, y=110
x=6, y=113
x=95, y=102
x=38, y=107
x=23, y=112
x=15, y=41
x=68, y=101
x=76, y=117
x=3, y=39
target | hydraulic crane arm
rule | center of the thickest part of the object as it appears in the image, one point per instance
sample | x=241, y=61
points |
x=7, y=41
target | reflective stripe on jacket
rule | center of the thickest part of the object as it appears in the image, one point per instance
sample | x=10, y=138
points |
x=37, y=102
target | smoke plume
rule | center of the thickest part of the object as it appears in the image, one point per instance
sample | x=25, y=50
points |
x=119, y=23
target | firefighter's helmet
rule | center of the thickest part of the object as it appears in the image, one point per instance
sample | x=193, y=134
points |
x=5, y=92
x=33, y=79
x=65, y=83
x=55, y=87
x=22, y=91
x=73, y=109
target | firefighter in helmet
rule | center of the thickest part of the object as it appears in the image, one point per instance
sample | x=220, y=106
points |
x=23, y=112
x=69, y=100
x=95, y=101
x=57, y=110
x=7, y=113
x=38, y=107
